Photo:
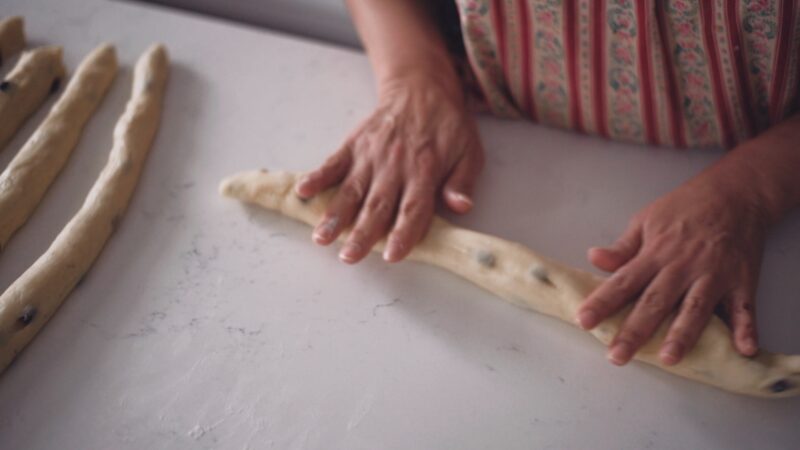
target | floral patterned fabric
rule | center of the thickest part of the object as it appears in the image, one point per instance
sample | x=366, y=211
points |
x=665, y=72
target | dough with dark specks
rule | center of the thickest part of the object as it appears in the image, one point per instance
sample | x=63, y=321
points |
x=532, y=281
x=26, y=87
x=33, y=169
x=34, y=297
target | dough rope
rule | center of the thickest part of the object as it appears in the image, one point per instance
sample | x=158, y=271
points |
x=34, y=297
x=526, y=279
x=12, y=37
x=38, y=73
x=33, y=169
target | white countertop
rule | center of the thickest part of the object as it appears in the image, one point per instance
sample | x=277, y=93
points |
x=206, y=324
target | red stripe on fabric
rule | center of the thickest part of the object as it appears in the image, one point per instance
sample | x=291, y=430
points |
x=707, y=15
x=527, y=73
x=498, y=18
x=779, y=66
x=672, y=96
x=598, y=65
x=742, y=81
x=645, y=73
x=571, y=38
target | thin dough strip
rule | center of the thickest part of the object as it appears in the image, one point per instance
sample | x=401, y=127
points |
x=34, y=297
x=33, y=169
x=38, y=73
x=526, y=279
x=12, y=37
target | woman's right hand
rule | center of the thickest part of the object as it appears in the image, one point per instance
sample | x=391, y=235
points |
x=421, y=142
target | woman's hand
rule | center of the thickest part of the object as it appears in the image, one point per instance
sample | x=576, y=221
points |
x=419, y=143
x=689, y=251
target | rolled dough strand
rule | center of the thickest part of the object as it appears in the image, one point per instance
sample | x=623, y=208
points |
x=532, y=281
x=34, y=297
x=33, y=169
x=12, y=37
x=37, y=74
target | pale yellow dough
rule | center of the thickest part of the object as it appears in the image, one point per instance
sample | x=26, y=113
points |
x=12, y=37
x=34, y=297
x=532, y=281
x=33, y=169
x=27, y=86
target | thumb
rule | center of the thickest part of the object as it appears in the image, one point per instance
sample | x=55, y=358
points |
x=460, y=184
x=617, y=255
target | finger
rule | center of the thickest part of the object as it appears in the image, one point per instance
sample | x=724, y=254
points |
x=374, y=219
x=743, y=321
x=654, y=305
x=343, y=207
x=612, y=258
x=413, y=220
x=693, y=316
x=615, y=292
x=329, y=174
x=458, y=189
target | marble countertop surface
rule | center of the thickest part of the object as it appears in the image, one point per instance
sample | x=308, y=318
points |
x=207, y=324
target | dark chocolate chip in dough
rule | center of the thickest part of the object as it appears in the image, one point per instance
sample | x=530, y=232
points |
x=28, y=313
x=56, y=84
x=780, y=386
x=486, y=258
x=540, y=273
x=115, y=222
x=5, y=86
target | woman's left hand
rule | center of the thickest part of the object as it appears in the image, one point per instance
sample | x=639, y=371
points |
x=690, y=250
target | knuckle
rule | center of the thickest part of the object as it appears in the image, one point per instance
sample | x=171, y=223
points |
x=652, y=302
x=426, y=163
x=414, y=208
x=623, y=281
x=378, y=206
x=695, y=305
x=352, y=191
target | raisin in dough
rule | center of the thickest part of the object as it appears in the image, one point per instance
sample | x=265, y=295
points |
x=34, y=297
x=33, y=169
x=12, y=37
x=532, y=281
x=37, y=74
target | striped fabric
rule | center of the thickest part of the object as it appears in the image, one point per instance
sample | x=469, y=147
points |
x=664, y=72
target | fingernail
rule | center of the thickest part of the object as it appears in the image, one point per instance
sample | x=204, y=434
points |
x=350, y=252
x=300, y=183
x=620, y=354
x=587, y=319
x=750, y=345
x=671, y=353
x=392, y=251
x=324, y=231
x=458, y=196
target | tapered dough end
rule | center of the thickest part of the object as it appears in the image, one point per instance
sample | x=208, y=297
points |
x=155, y=63
x=12, y=36
x=105, y=51
x=236, y=186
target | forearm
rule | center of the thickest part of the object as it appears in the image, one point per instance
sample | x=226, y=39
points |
x=402, y=40
x=766, y=169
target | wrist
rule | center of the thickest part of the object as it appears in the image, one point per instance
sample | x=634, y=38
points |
x=422, y=78
x=740, y=184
